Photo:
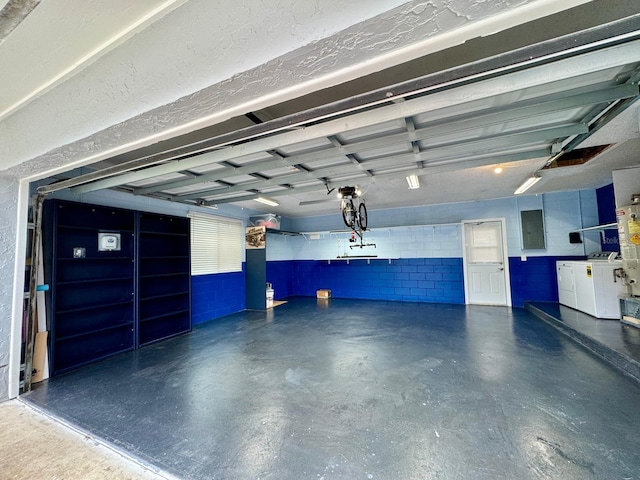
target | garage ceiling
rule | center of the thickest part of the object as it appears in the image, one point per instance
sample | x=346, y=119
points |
x=523, y=111
x=523, y=121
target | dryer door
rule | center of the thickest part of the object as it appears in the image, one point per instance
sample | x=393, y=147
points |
x=566, y=284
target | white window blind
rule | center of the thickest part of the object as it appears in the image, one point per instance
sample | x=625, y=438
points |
x=216, y=244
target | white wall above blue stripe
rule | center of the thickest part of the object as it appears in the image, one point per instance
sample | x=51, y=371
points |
x=430, y=231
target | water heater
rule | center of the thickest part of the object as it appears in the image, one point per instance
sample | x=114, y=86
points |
x=629, y=237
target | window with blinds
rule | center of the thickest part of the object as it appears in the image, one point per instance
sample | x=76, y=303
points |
x=216, y=244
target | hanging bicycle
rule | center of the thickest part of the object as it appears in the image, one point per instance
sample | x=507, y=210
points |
x=354, y=214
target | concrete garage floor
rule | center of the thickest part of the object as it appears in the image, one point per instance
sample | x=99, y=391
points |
x=362, y=390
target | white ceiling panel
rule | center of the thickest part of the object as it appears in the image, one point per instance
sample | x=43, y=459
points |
x=193, y=188
x=393, y=149
x=304, y=147
x=374, y=131
x=158, y=179
x=210, y=167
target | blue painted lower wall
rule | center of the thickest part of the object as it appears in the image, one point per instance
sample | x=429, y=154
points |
x=214, y=296
x=434, y=280
x=281, y=275
x=534, y=279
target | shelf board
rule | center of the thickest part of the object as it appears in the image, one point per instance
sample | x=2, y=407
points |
x=93, y=332
x=96, y=229
x=89, y=259
x=283, y=232
x=163, y=234
x=93, y=307
x=608, y=226
x=347, y=259
x=170, y=335
x=157, y=275
x=164, y=315
x=164, y=295
x=375, y=229
x=94, y=280
x=124, y=348
x=355, y=257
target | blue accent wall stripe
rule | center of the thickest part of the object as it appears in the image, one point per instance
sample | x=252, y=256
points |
x=281, y=276
x=534, y=279
x=214, y=296
x=609, y=241
x=432, y=280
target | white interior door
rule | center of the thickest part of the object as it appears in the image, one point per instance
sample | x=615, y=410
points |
x=486, y=272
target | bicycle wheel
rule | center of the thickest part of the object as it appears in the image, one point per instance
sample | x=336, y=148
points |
x=348, y=213
x=362, y=216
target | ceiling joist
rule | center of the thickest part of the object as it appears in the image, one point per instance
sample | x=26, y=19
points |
x=458, y=98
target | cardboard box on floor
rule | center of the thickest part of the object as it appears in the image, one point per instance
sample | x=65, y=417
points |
x=39, y=356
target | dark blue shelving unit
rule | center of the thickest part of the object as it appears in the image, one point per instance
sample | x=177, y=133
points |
x=101, y=303
x=91, y=302
x=164, y=280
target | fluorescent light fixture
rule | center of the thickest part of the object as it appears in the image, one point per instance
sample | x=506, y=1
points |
x=528, y=183
x=413, y=181
x=266, y=201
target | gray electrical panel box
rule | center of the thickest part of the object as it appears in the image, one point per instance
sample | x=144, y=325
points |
x=532, y=229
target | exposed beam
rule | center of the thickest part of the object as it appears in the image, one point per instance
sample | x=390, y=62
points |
x=463, y=122
x=436, y=152
x=623, y=31
x=490, y=158
x=218, y=174
x=561, y=70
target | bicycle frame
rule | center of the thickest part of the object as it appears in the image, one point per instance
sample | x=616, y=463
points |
x=361, y=237
x=354, y=217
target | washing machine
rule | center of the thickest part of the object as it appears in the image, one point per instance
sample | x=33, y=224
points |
x=597, y=288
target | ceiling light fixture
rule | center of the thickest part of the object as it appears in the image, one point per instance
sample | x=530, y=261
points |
x=413, y=181
x=266, y=201
x=497, y=170
x=528, y=183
